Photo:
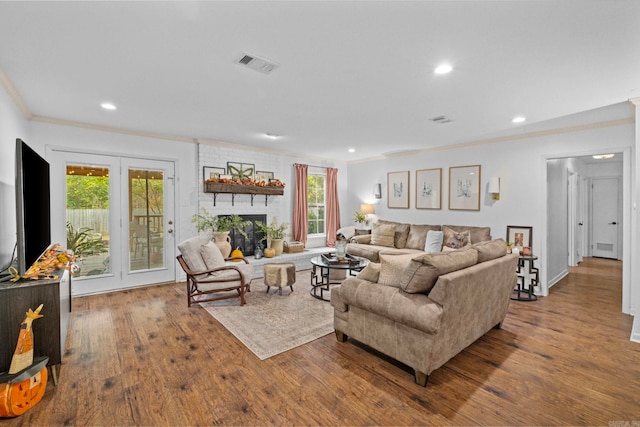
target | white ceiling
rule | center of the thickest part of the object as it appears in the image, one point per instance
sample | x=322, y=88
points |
x=351, y=74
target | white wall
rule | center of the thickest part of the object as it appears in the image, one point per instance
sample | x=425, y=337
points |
x=12, y=125
x=521, y=164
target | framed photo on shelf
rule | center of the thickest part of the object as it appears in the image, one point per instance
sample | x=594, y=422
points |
x=210, y=173
x=429, y=189
x=263, y=176
x=520, y=236
x=398, y=190
x=241, y=170
x=464, y=188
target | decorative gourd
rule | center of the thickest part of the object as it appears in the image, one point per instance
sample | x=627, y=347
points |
x=237, y=255
x=269, y=252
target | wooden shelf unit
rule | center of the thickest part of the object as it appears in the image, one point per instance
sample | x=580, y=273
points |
x=216, y=188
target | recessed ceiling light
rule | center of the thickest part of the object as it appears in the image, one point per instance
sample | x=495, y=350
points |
x=272, y=135
x=443, y=69
x=352, y=150
x=108, y=106
x=518, y=119
x=603, y=156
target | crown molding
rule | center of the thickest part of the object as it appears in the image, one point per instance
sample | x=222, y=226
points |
x=14, y=94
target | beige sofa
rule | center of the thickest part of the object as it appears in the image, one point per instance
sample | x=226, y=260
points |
x=423, y=309
x=396, y=237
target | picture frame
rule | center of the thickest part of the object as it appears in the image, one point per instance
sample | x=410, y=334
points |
x=263, y=176
x=464, y=188
x=209, y=172
x=520, y=236
x=241, y=170
x=429, y=188
x=398, y=190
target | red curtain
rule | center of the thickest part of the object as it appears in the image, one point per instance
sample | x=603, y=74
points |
x=300, y=207
x=332, y=206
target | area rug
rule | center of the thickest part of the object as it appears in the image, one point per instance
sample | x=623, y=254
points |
x=269, y=324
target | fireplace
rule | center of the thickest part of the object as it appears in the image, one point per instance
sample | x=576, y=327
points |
x=249, y=244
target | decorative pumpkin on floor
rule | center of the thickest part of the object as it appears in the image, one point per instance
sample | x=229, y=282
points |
x=237, y=255
x=25, y=383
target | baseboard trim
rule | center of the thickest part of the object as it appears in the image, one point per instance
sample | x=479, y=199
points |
x=635, y=330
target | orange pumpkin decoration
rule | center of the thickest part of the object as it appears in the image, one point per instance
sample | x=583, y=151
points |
x=237, y=255
x=269, y=252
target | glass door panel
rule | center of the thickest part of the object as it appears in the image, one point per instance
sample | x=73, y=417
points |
x=146, y=216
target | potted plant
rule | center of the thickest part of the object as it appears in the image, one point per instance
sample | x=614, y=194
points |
x=509, y=245
x=220, y=226
x=274, y=233
x=359, y=218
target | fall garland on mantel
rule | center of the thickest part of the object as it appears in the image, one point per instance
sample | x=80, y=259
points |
x=247, y=181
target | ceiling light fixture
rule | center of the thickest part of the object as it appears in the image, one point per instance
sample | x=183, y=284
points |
x=518, y=119
x=603, y=156
x=443, y=69
x=272, y=135
x=108, y=106
x=352, y=150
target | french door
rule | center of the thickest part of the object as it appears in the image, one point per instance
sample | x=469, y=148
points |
x=118, y=213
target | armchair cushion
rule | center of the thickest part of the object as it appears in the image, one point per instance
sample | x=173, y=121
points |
x=190, y=250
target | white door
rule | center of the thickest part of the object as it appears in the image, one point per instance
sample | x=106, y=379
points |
x=583, y=204
x=97, y=197
x=605, y=217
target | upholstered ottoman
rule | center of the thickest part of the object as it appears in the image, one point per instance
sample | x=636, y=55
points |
x=279, y=275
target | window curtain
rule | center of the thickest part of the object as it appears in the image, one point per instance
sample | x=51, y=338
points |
x=332, y=206
x=300, y=226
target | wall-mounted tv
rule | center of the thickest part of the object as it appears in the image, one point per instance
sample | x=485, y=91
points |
x=33, y=210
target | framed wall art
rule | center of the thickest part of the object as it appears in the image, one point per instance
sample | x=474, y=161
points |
x=263, y=176
x=520, y=236
x=429, y=189
x=241, y=170
x=464, y=188
x=398, y=190
x=212, y=173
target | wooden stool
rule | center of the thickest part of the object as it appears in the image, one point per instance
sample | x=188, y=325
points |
x=279, y=275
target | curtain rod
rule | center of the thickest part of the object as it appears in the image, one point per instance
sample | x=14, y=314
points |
x=313, y=166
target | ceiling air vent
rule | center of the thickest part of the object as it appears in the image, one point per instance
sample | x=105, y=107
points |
x=440, y=119
x=256, y=63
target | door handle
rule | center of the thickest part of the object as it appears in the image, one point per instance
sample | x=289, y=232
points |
x=580, y=224
x=170, y=231
x=613, y=223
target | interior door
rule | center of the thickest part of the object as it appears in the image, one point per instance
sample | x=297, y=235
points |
x=605, y=217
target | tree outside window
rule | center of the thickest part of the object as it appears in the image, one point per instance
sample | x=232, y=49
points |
x=316, y=204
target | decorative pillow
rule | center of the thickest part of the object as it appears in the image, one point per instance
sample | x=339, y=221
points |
x=401, y=233
x=423, y=272
x=478, y=234
x=490, y=249
x=212, y=256
x=418, y=236
x=370, y=273
x=434, y=241
x=190, y=250
x=392, y=267
x=382, y=235
x=456, y=239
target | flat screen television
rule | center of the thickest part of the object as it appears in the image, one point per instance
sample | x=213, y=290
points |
x=33, y=209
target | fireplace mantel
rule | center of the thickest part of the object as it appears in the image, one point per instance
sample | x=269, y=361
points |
x=216, y=188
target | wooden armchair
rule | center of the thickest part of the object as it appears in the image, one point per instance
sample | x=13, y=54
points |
x=211, y=277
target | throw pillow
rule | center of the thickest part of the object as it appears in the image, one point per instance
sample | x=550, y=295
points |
x=456, y=239
x=434, y=241
x=370, y=273
x=211, y=255
x=382, y=235
x=424, y=271
x=418, y=235
x=401, y=233
x=392, y=267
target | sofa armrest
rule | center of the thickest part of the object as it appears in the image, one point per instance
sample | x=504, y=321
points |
x=363, y=239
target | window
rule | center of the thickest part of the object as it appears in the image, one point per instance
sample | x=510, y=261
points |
x=315, y=201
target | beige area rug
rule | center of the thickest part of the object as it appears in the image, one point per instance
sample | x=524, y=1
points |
x=269, y=324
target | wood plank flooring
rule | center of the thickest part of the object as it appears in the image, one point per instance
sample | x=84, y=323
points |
x=141, y=357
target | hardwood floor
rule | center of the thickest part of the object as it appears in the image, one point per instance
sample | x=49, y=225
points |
x=141, y=357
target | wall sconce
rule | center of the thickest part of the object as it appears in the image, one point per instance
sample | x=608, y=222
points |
x=377, y=191
x=494, y=187
x=367, y=209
